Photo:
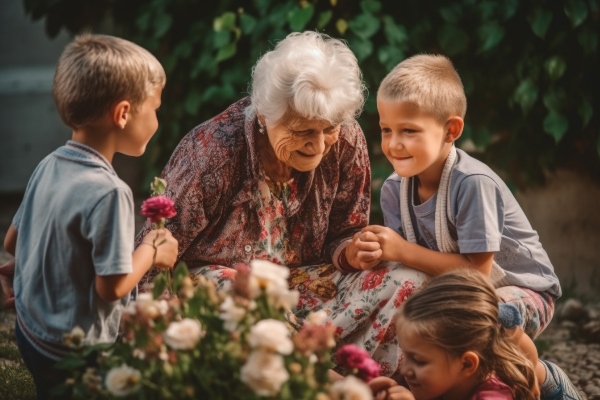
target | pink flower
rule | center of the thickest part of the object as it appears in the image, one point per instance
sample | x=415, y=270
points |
x=350, y=356
x=157, y=208
x=368, y=369
x=357, y=361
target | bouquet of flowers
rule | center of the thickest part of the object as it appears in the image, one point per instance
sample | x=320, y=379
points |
x=199, y=342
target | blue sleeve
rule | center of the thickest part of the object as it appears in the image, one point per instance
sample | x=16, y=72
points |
x=110, y=229
x=479, y=217
x=390, y=204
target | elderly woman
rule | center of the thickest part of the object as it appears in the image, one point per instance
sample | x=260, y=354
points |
x=284, y=176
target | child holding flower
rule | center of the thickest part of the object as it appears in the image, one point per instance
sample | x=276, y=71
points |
x=72, y=235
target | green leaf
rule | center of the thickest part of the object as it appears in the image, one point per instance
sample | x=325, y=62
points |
x=221, y=39
x=555, y=99
x=508, y=8
x=226, y=22
x=588, y=39
x=143, y=21
x=324, y=19
x=364, y=25
x=395, y=34
x=160, y=284
x=183, y=49
x=490, y=34
x=247, y=23
x=586, y=111
x=452, y=13
x=362, y=48
x=540, y=20
x=526, y=95
x=162, y=23
x=299, y=17
x=555, y=67
x=179, y=272
x=556, y=125
x=487, y=8
x=370, y=6
x=226, y=52
x=452, y=39
x=70, y=362
x=577, y=11
x=389, y=56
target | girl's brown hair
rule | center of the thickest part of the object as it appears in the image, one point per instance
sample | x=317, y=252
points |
x=458, y=312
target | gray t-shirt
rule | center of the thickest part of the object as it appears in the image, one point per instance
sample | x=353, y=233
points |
x=487, y=218
x=75, y=222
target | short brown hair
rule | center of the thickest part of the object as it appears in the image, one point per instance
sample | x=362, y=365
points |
x=429, y=81
x=95, y=72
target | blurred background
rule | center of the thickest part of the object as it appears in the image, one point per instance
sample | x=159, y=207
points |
x=531, y=72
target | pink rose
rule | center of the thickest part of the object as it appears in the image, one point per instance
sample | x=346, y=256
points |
x=368, y=369
x=357, y=360
x=350, y=356
x=157, y=208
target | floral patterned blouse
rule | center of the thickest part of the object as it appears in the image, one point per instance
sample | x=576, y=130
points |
x=224, y=213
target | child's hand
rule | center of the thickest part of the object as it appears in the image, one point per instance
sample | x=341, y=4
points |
x=7, y=273
x=362, y=254
x=166, y=247
x=385, y=388
x=390, y=242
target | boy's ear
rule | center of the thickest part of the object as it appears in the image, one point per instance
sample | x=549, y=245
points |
x=121, y=113
x=454, y=128
x=470, y=363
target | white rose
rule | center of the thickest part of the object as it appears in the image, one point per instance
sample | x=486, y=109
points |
x=283, y=298
x=184, y=334
x=231, y=314
x=265, y=373
x=268, y=276
x=350, y=388
x=270, y=334
x=317, y=318
x=123, y=381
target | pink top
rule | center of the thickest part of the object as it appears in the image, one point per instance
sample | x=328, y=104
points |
x=493, y=389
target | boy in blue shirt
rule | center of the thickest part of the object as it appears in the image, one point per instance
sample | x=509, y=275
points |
x=445, y=210
x=72, y=236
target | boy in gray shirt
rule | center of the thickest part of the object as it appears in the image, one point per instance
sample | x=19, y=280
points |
x=72, y=235
x=445, y=210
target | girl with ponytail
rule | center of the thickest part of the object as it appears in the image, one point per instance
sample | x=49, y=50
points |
x=454, y=346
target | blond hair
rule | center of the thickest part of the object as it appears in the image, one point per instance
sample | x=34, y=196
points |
x=458, y=312
x=95, y=72
x=429, y=81
x=308, y=75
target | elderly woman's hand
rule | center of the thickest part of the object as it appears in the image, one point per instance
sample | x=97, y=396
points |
x=363, y=254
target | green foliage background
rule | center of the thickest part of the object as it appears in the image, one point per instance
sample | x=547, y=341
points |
x=530, y=67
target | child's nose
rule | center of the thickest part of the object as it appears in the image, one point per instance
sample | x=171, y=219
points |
x=396, y=142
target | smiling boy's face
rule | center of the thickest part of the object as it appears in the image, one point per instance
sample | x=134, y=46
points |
x=413, y=141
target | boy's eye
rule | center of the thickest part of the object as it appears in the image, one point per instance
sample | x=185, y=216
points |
x=385, y=130
x=407, y=130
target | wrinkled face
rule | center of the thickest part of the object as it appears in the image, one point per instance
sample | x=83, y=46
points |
x=427, y=369
x=413, y=141
x=301, y=143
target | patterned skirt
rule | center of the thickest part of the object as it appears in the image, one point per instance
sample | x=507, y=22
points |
x=362, y=306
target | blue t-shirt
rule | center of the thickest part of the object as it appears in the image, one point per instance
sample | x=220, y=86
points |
x=75, y=222
x=487, y=218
